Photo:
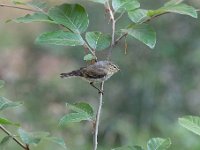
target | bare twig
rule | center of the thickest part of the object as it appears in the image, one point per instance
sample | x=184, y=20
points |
x=118, y=39
x=113, y=33
x=113, y=21
x=98, y=117
x=112, y=18
x=10, y=6
x=25, y=147
x=120, y=16
x=86, y=46
x=145, y=21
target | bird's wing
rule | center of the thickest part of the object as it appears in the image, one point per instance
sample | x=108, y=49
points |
x=93, y=73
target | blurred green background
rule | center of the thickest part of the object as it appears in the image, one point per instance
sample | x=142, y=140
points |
x=144, y=100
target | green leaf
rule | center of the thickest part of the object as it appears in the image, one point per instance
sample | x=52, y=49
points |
x=5, y=103
x=4, y=142
x=143, y=33
x=35, y=137
x=152, y=13
x=73, y=117
x=138, y=15
x=60, y=38
x=81, y=107
x=128, y=148
x=7, y=122
x=191, y=123
x=35, y=17
x=158, y=144
x=175, y=6
x=98, y=40
x=58, y=141
x=99, y=1
x=173, y=2
x=37, y=4
x=89, y=57
x=121, y=5
x=18, y=2
x=2, y=83
x=74, y=17
x=180, y=9
x=32, y=138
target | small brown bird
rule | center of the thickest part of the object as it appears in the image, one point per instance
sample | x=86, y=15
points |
x=95, y=73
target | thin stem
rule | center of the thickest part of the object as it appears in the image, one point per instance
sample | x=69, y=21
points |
x=118, y=39
x=10, y=6
x=25, y=147
x=113, y=33
x=98, y=117
x=113, y=21
x=120, y=16
x=112, y=18
x=155, y=16
x=145, y=21
x=88, y=47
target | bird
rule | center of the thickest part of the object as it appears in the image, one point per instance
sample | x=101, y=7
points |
x=98, y=72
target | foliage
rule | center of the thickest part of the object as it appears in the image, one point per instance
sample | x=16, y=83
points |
x=35, y=137
x=26, y=137
x=153, y=144
x=5, y=103
x=83, y=111
x=158, y=144
x=74, y=20
x=7, y=122
x=191, y=123
x=98, y=40
x=60, y=38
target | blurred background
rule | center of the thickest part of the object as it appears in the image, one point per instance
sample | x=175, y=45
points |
x=154, y=88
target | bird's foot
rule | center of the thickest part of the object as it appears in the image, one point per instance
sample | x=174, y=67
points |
x=100, y=91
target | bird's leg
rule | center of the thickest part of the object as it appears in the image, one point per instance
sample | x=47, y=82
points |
x=92, y=84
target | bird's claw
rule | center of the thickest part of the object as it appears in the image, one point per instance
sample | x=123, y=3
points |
x=101, y=92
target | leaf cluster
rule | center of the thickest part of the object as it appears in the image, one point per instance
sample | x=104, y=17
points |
x=27, y=138
x=74, y=19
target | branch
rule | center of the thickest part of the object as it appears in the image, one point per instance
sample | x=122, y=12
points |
x=88, y=47
x=145, y=21
x=120, y=16
x=25, y=147
x=123, y=35
x=40, y=10
x=153, y=17
x=113, y=22
x=98, y=117
x=112, y=18
x=10, y=6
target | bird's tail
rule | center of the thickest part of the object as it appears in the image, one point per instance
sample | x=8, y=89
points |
x=71, y=74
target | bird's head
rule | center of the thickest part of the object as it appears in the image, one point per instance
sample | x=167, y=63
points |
x=113, y=67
